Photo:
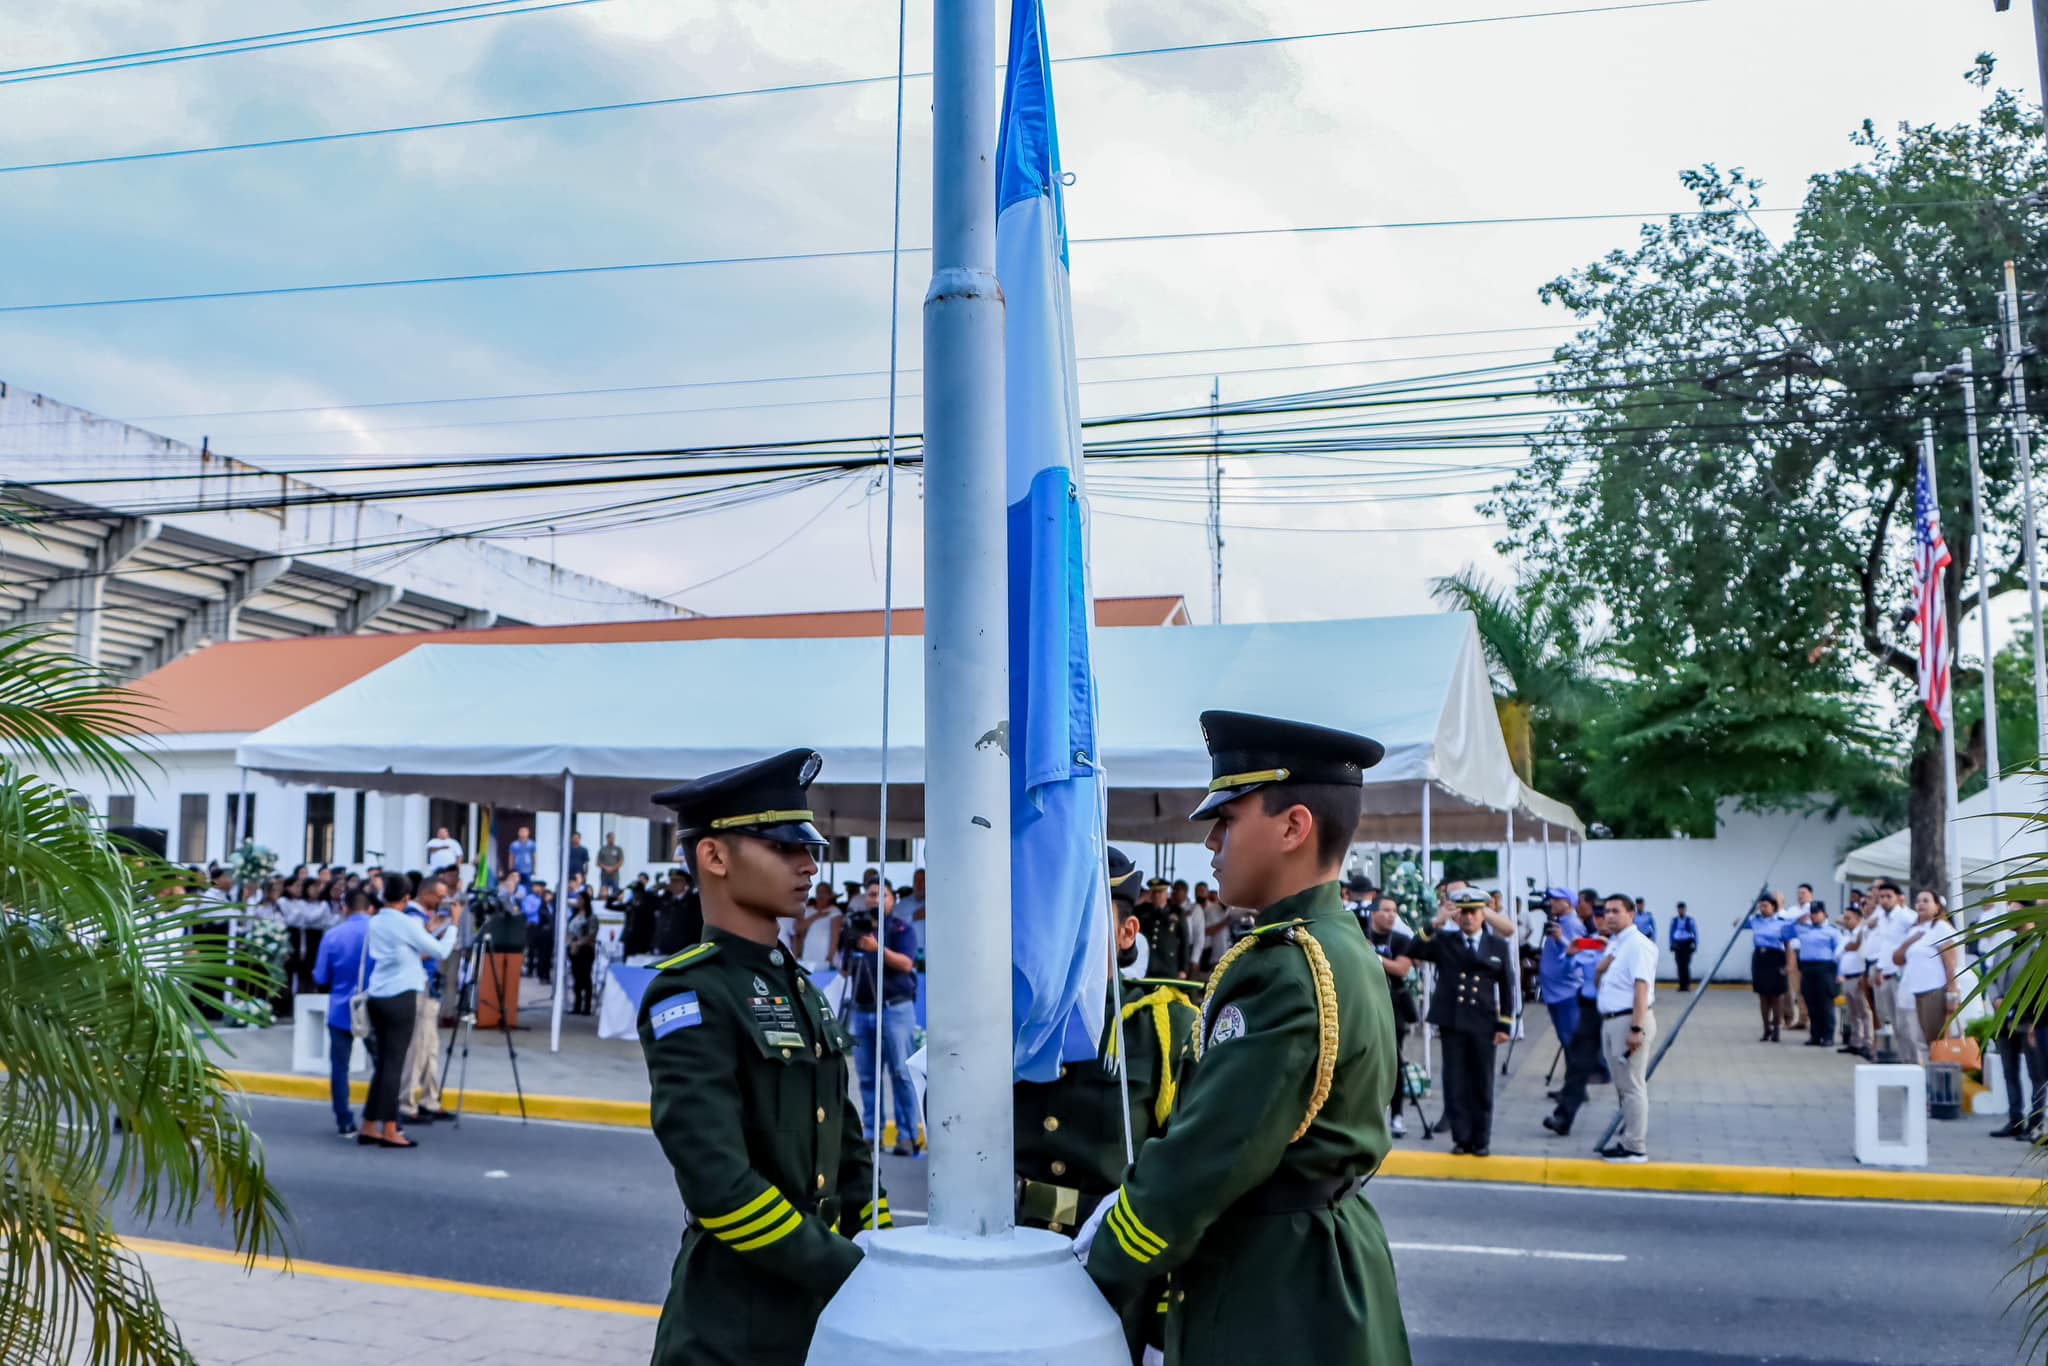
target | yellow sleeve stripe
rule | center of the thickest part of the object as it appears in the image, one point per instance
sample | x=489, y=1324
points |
x=746, y=1211
x=688, y=955
x=1145, y=1235
x=773, y=1235
x=1125, y=1239
x=774, y=1212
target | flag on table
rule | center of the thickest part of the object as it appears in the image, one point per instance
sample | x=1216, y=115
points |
x=1930, y=600
x=1060, y=892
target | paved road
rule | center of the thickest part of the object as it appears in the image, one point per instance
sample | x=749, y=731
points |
x=1488, y=1273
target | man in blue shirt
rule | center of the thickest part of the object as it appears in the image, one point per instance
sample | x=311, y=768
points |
x=1685, y=939
x=1582, y=1063
x=896, y=1021
x=1645, y=921
x=341, y=970
x=522, y=856
x=1812, y=948
x=1557, y=975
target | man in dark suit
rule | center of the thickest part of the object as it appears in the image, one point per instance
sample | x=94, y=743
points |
x=1472, y=1009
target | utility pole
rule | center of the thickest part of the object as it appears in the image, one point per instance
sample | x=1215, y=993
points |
x=2016, y=413
x=975, y=1289
x=1215, y=482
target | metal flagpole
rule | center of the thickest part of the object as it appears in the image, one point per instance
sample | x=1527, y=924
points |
x=1507, y=879
x=1951, y=845
x=981, y=1286
x=562, y=914
x=2021, y=420
x=1983, y=557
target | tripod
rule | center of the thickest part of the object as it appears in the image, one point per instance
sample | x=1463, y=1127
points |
x=468, y=974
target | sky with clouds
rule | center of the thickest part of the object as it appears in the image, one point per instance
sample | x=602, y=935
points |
x=1569, y=114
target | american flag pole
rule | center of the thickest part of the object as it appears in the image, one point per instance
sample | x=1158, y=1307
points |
x=1937, y=650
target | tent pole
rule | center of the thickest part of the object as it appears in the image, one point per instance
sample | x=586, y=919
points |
x=562, y=914
x=1546, y=856
x=1428, y=911
x=1507, y=896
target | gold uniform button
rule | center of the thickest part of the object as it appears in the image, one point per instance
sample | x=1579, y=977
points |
x=1056, y=1227
x=817, y=1048
x=1179, y=1296
x=1052, y=1123
x=785, y=1052
x=821, y=1114
x=821, y=1180
x=1059, y=1169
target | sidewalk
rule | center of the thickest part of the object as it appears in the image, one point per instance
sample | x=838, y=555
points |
x=340, y=1316
x=1722, y=1097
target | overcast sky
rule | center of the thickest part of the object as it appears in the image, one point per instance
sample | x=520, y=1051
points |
x=1591, y=113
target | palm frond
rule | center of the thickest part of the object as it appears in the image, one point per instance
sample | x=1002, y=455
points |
x=65, y=714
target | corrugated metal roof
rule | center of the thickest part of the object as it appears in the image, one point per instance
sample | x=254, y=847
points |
x=242, y=686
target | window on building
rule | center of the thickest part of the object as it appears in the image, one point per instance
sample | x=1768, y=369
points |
x=841, y=850
x=319, y=828
x=121, y=809
x=192, y=828
x=454, y=817
x=661, y=841
x=362, y=820
x=241, y=822
x=896, y=851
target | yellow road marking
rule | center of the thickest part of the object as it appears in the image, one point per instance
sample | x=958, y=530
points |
x=1940, y=1188
x=192, y=1252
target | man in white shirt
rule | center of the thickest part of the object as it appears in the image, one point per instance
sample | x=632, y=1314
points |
x=443, y=852
x=1627, y=987
x=1884, y=928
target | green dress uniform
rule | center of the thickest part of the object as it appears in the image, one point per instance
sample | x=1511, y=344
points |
x=1166, y=931
x=748, y=1068
x=1253, y=1198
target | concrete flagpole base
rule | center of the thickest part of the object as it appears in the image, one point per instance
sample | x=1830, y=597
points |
x=923, y=1299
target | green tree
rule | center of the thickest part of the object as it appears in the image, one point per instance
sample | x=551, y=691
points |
x=107, y=1099
x=1730, y=473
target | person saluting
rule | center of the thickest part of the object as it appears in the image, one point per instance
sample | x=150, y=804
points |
x=1253, y=1197
x=748, y=1072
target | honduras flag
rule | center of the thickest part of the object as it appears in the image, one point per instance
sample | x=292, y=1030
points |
x=1060, y=891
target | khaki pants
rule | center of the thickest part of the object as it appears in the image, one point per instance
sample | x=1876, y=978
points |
x=1859, y=1012
x=1631, y=1073
x=1883, y=999
x=423, y=1057
x=1910, y=1043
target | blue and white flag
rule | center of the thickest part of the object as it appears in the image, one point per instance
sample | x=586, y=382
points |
x=1060, y=891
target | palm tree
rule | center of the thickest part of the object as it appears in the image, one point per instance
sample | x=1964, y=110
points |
x=108, y=1100
x=1542, y=660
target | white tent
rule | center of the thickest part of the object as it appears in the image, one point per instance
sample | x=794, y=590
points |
x=510, y=723
x=1987, y=845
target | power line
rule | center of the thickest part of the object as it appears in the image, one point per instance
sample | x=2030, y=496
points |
x=623, y=106
x=231, y=46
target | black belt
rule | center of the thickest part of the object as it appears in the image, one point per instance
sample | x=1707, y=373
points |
x=1287, y=1195
x=1617, y=1014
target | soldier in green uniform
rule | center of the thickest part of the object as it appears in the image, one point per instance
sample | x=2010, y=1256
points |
x=1254, y=1197
x=748, y=1068
x=1070, y=1132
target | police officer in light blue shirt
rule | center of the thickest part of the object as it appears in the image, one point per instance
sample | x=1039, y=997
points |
x=1816, y=945
x=1557, y=973
x=1583, y=1063
x=1645, y=921
x=1685, y=938
x=1767, y=964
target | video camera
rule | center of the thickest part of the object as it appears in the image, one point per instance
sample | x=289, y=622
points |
x=862, y=921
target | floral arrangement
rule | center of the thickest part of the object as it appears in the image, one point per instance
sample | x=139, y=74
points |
x=252, y=863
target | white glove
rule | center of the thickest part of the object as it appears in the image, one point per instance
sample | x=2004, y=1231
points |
x=1084, y=1238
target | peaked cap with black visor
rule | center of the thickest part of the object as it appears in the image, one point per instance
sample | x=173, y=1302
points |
x=768, y=799
x=1248, y=752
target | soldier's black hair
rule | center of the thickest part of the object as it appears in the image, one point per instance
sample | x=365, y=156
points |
x=1335, y=808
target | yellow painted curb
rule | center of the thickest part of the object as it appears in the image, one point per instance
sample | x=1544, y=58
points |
x=192, y=1252
x=1938, y=1188
x=629, y=1114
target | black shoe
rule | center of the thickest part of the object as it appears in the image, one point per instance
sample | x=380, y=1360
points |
x=1561, y=1127
x=1846, y=1049
x=1459, y=1150
x=1554, y=1095
x=431, y=1116
x=2012, y=1128
x=346, y=1133
x=423, y=1118
x=1481, y=1151
x=1617, y=1153
x=2030, y=1134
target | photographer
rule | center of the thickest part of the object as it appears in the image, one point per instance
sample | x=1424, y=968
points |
x=896, y=1021
x=1392, y=943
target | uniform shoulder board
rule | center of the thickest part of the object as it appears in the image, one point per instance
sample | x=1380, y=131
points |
x=696, y=953
x=1180, y=984
x=1277, y=931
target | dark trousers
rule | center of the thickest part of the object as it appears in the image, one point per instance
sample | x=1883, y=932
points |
x=2028, y=1042
x=1581, y=1061
x=1468, y=1087
x=1683, y=953
x=1400, y=1067
x=340, y=1043
x=581, y=961
x=1817, y=986
x=391, y=1023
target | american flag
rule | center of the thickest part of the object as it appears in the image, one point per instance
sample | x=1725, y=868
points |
x=1930, y=567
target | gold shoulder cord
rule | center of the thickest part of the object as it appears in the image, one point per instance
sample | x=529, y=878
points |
x=1326, y=1023
x=1237, y=950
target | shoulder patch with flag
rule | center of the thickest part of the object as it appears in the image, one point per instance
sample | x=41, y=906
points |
x=677, y=1012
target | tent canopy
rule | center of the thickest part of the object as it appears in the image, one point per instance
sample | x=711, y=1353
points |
x=505, y=723
x=1987, y=846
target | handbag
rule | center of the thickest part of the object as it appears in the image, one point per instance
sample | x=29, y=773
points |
x=1963, y=1051
x=359, y=999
